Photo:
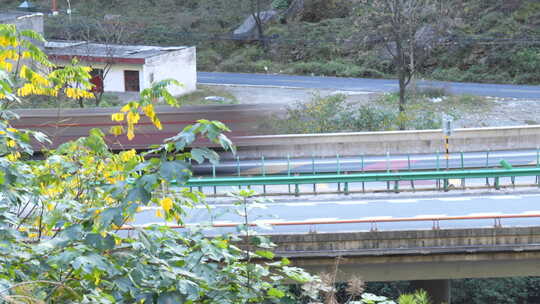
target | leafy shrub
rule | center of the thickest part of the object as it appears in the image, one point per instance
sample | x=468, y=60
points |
x=208, y=59
x=280, y=4
x=321, y=115
x=369, y=118
x=335, y=114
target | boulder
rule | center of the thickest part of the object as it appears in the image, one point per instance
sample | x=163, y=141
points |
x=248, y=29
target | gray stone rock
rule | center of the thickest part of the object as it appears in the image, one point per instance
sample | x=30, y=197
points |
x=248, y=29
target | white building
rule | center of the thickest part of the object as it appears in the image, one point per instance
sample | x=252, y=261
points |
x=129, y=68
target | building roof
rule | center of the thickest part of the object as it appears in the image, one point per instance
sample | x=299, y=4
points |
x=9, y=16
x=97, y=52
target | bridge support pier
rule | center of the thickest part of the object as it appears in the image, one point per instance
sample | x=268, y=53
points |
x=438, y=290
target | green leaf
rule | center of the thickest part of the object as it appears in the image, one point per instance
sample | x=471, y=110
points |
x=175, y=171
x=226, y=143
x=276, y=293
x=97, y=241
x=265, y=254
x=138, y=194
x=200, y=154
x=111, y=216
x=182, y=139
x=171, y=298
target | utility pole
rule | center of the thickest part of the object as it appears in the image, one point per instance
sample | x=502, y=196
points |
x=448, y=129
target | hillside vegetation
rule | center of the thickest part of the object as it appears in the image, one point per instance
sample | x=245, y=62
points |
x=493, y=40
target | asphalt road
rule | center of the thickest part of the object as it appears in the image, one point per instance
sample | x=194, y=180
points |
x=348, y=209
x=371, y=163
x=365, y=84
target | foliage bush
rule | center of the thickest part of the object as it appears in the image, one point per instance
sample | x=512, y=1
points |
x=502, y=290
x=63, y=217
x=334, y=114
x=280, y=4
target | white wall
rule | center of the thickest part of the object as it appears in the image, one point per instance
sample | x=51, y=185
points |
x=180, y=65
x=114, y=80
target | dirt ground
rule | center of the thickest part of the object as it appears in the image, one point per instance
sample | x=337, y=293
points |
x=495, y=112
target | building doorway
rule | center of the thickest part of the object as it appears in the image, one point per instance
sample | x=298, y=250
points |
x=131, y=81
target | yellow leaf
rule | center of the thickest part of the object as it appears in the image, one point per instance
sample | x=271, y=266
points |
x=32, y=235
x=116, y=130
x=125, y=108
x=14, y=156
x=117, y=117
x=158, y=213
x=166, y=204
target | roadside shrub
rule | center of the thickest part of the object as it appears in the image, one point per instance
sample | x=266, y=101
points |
x=370, y=118
x=321, y=115
x=429, y=92
x=334, y=114
x=448, y=74
x=280, y=4
x=208, y=59
x=327, y=68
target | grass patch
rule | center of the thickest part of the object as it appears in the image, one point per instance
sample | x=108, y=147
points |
x=48, y=102
x=110, y=100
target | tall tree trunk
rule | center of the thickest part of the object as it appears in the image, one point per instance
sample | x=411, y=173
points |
x=260, y=31
x=402, y=99
x=402, y=66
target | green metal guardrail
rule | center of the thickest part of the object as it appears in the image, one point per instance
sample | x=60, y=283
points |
x=368, y=177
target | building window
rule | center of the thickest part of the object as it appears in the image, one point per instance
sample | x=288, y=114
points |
x=97, y=80
x=131, y=81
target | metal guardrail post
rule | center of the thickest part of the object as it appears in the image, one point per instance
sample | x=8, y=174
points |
x=362, y=168
x=263, y=173
x=338, y=171
x=487, y=166
x=462, y=168
x=289, y=170
x=438, y=165
x=410, y=168
x=387, y=169
x=538, y=165
x=346, y=187
x=214, y=176
x=313, y=172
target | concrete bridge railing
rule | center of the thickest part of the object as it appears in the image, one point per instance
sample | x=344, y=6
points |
x=379, y=143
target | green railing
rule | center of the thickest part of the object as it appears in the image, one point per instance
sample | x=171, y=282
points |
x=389, y=177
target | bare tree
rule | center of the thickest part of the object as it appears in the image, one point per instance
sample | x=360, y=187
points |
x=409, y=30
x=111, y=31
x=257, y=14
